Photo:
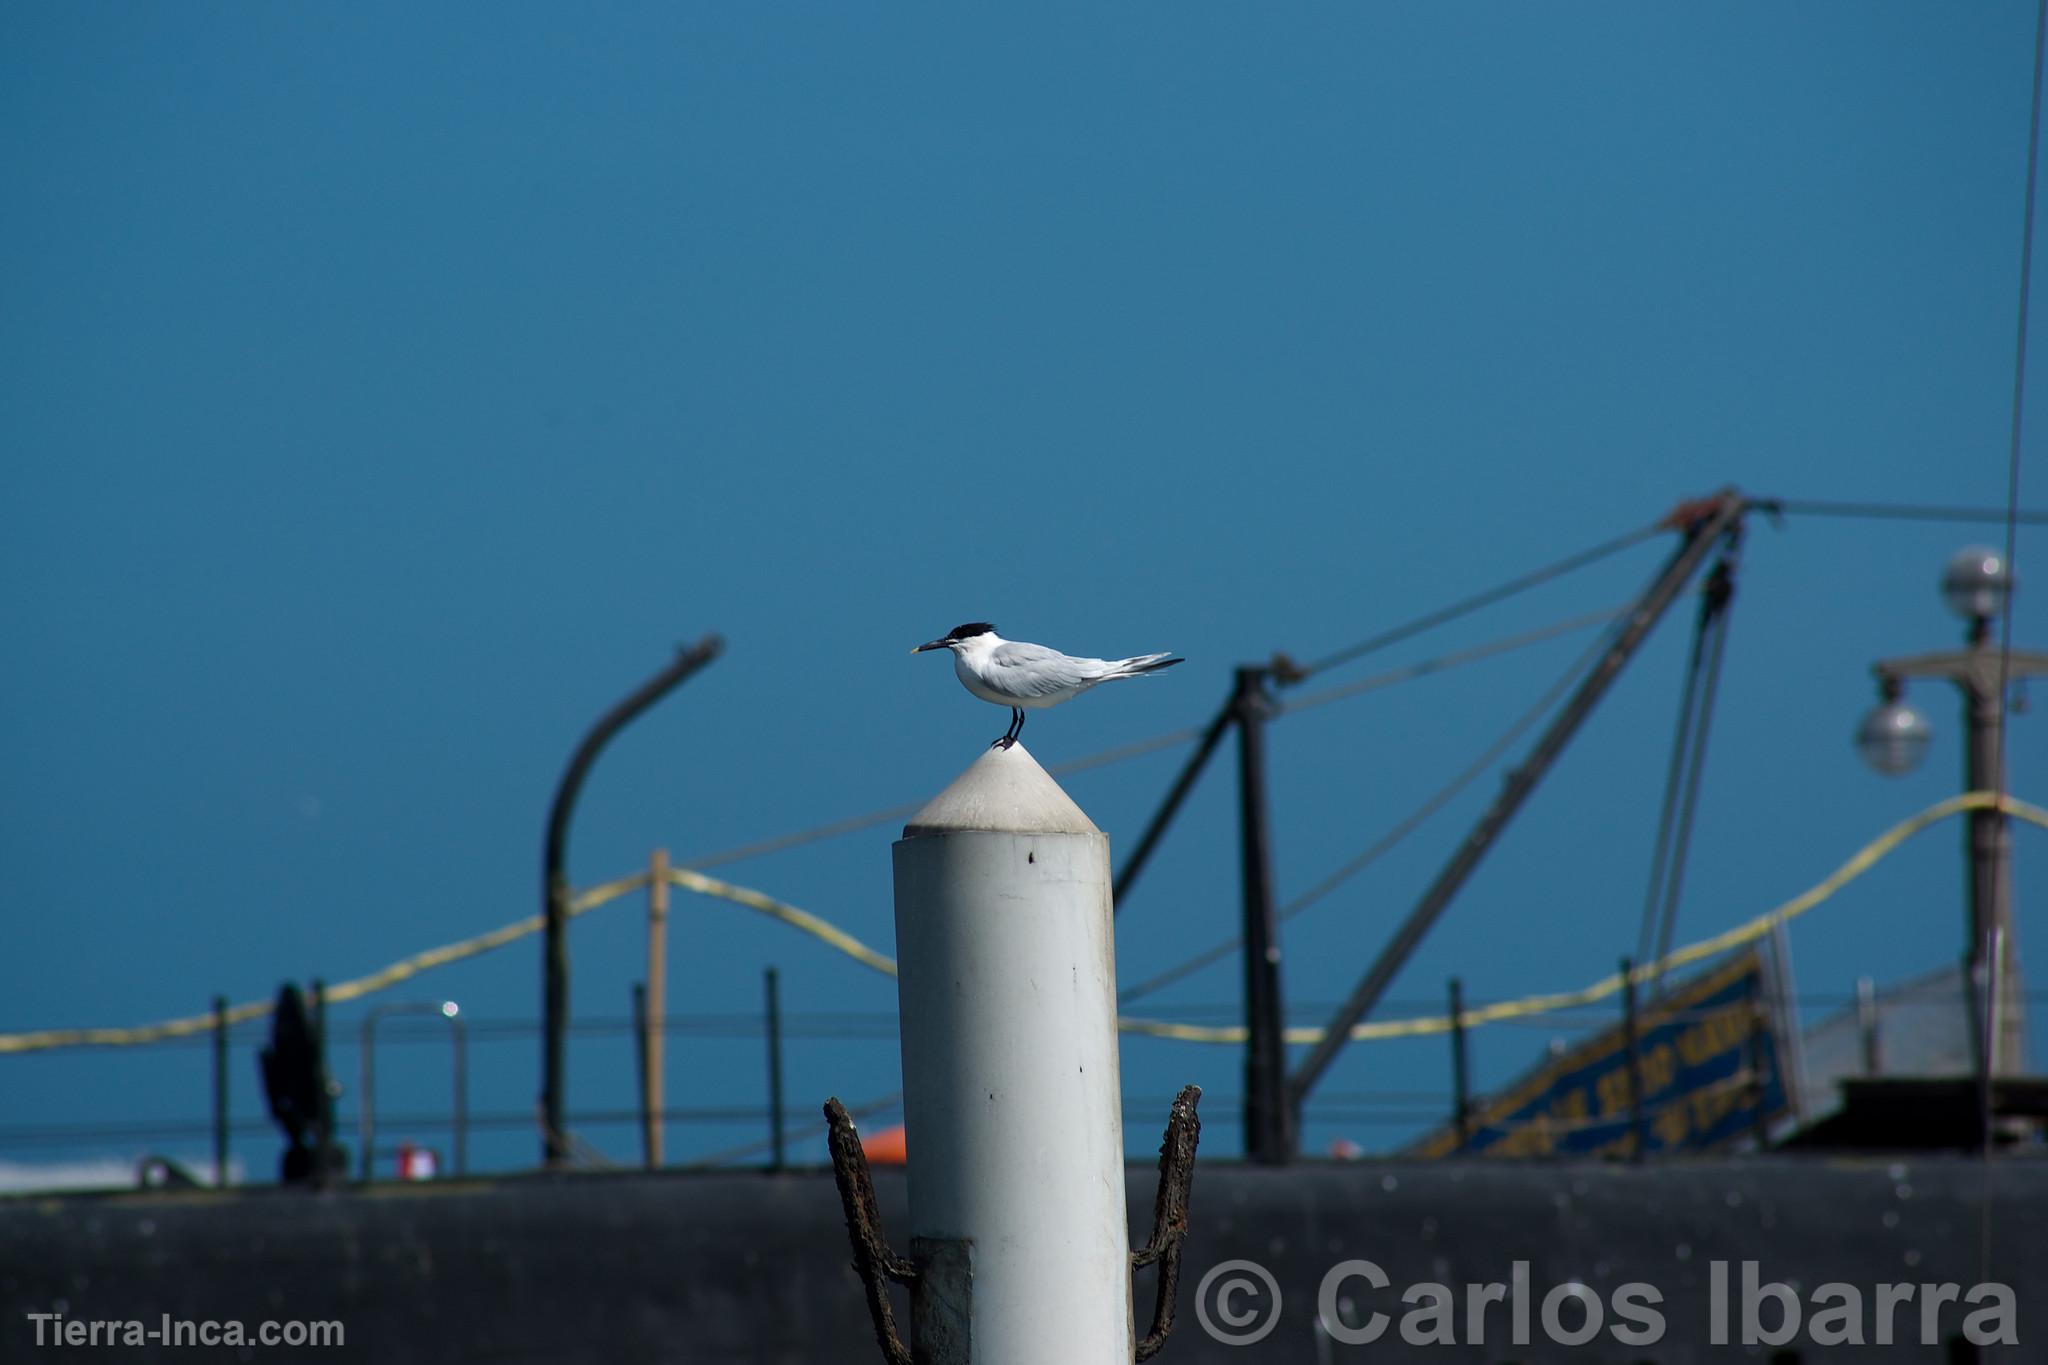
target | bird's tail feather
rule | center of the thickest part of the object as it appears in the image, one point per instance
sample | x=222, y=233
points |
x=1142, y=663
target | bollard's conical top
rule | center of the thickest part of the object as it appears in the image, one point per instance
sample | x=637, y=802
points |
x=1004, y=791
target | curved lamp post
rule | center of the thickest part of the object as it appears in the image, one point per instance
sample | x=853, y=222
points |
x=554, y=880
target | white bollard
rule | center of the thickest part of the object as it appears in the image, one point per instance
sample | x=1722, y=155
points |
x=1011, y=1099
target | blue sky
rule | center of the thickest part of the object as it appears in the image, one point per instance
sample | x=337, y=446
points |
x=391, y=387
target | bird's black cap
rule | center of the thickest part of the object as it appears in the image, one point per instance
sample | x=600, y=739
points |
x=956, y=635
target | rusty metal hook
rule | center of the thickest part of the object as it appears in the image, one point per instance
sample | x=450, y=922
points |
x=872, y=1258
x=1170, y=1214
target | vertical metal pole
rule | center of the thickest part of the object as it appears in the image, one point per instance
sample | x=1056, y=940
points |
x=772, y=985
x=1994, y=962
x=1977, y=972
x=554, y=1145
x=640, y=1074
x=1782, y=997
x=1980, y=760
x=657, y=1001
x=323, y=1129
x=461, y=1080
x=1759, y=1023
x=1632, y=1042
x=1988, y=849
x=366, y=1098
x=1973, y=1011
x=1461, y=1112
x=220, y=1092
x=1268, y=1117
x=1867, y=1026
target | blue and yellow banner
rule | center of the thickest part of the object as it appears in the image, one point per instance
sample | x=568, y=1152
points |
x=1711, y=1068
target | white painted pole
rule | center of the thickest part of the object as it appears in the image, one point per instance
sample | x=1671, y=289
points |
x=1011, y=1097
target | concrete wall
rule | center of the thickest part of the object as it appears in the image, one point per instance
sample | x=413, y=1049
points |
x=750, y=1267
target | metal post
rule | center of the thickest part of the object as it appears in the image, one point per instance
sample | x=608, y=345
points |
x=366, y=1097
x=1007, y=990
x=220, y=1092
x=1867, y=1027
x=1461, y=1098
x=1632, y=1044
x=771, y=985
x=1979, y=671
x=1974, y=1027
x=1759, y=1083
x=554, y=881
x=1268, y=1118
x=1782, y=999
x=323, y=1125
x=656, y=1047
x=1994, y=991
x=647, y=1138
x=1703, y=524
x=1989, y=852
x=461, y=1083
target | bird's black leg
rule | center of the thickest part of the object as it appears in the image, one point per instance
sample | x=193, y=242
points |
x=1010, y=735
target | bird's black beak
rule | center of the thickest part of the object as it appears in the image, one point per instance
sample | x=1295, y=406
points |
x=929, y=644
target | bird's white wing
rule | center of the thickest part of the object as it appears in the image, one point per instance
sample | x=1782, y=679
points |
x=1027, y=670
